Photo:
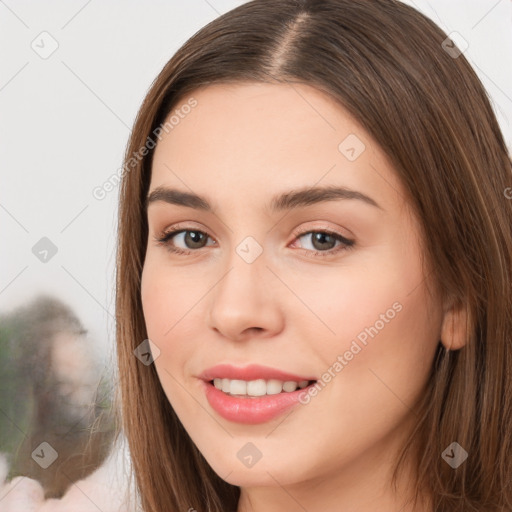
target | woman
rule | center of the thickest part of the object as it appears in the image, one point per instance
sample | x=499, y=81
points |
x=261, y=118
x=314, y=268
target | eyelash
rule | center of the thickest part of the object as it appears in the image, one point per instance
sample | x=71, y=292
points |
x=346, y=244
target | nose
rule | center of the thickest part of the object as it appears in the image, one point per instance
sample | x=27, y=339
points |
x=244, y=304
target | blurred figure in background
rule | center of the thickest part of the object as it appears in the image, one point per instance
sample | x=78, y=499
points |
x=52, y=390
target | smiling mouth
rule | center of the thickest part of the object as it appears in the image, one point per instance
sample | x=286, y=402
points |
x=258, y=388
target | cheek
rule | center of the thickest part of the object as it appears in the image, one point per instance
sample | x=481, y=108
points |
x=386, y=335
x=373, y=293
x=163, y=301
x=167, y=298
x=167, y=303
x=380, y=317
x=377, y=363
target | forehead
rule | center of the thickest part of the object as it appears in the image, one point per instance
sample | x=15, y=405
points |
x=252, y=138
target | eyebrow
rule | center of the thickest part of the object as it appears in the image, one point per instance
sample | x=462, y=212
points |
x=285, y=201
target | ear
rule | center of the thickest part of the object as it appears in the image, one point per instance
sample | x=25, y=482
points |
x=454, y=328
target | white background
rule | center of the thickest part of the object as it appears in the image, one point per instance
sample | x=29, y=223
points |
x=65, y=121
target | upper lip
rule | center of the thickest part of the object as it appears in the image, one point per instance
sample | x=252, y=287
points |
x=250, y=372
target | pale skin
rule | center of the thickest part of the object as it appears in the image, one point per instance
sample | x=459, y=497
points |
x=289, y=308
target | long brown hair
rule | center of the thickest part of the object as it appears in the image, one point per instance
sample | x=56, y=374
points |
x=387, y=65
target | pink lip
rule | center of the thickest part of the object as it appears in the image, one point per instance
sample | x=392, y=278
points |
x=251, y=372
x=250, y=410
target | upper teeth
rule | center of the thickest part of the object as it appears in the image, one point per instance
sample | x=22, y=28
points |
x=258, y=387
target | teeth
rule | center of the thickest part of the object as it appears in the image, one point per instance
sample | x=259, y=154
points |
x=258, y=387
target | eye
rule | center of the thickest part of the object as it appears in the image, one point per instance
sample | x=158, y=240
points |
x=192, y=238
x=323, y=242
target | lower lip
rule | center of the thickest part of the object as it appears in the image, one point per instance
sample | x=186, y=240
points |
x=251, y=411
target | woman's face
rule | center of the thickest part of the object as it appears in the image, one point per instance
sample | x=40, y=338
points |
x=323, y=287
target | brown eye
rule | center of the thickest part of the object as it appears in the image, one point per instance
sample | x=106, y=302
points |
x=192, y=239
x=325, y=242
